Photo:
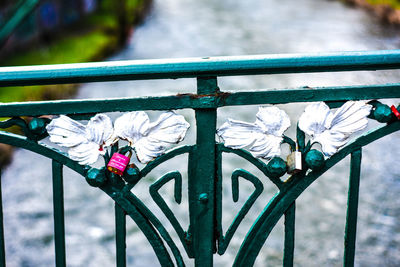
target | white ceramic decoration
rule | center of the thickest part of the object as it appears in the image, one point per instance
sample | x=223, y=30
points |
x=86, y=143
x=332, y=130
x=262, y=138
x=150, y=140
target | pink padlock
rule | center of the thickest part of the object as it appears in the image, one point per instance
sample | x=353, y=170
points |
x=118, y=163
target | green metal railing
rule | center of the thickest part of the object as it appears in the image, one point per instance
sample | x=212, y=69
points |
x=205, y=235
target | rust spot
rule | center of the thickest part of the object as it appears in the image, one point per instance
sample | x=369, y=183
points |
x=221, y=95
x=195, y=96
x=183, y=95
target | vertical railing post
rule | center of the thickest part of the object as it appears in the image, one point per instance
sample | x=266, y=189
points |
x=58, y=206
x=202, y=179
x=288, y=253
x=120, y=236
x=352, y=208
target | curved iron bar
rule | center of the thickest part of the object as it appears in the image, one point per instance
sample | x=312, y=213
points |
x=169, y=155
x=157, y=161
x=224, y=241
x=266, y=221
x=115, y=193
x=166, y=210
x=144, y=210
x=256, y=162
x=34, y=130
x=290, y=142
x=17, y=121
x=144, y=224
x=42, y=149
x=157, y=224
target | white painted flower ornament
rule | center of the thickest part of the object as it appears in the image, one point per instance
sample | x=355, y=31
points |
x=262, y=138
x=87, y=143
x=150, y=140
x=332, y=130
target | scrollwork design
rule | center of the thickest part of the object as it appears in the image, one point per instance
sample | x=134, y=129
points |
x=118, y=187
x=86, y=143
x=138, y=212
x=348, y=119
x=147, y=140
x=224, y=240
x=266, y=169
x=148, y=215
x=177, y=177
x=291, y=190
x=271, y=171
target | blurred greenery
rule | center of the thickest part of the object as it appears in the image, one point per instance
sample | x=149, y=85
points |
x=68, y=49
x=91, y=39
x=392, y=3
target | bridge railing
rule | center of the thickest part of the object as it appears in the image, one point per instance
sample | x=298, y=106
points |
x=205, y=235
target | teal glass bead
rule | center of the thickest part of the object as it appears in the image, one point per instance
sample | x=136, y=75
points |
x=132, y=174
x=37, y=125
x=96, y=177
x=383, y=113
x=314, y=159
x=276, y=167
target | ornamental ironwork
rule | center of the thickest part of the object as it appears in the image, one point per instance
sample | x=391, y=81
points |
x=333, y=120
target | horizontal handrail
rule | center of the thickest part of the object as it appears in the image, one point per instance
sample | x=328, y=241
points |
x=195, y=67
x=333, y=95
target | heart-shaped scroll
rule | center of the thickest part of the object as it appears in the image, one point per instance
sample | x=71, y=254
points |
x=175, y=175
x=223, y=240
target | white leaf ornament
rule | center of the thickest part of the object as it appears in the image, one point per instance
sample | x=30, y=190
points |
x=150, y=140
x=85, y=143
x=262, y=138
x=332, y=130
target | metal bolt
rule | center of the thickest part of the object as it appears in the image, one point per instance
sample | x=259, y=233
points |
x=116, y=195
x=96, y=177
x=37, y=125
x=203, y=198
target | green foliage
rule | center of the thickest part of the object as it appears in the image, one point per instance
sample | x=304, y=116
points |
x=392, y=3
x=96, y=35
x=65, y=50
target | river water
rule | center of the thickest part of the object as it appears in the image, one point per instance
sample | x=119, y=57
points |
x=190, y=28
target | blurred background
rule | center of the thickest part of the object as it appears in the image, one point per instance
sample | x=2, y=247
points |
x=70, y=31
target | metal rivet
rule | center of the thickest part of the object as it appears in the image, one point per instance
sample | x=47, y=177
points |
x=116, y=195
x=203, y=198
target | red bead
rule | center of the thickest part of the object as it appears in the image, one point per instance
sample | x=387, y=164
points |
x=395, y=112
